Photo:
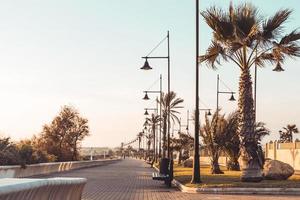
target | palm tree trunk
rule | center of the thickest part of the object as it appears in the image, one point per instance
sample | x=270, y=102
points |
x=179, y=157
x=252, y=166
x=153, y=131
x=233, y=164
x=215, y=167
x=164, y=136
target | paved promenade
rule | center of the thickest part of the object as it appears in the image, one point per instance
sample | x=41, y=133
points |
x=131, y=179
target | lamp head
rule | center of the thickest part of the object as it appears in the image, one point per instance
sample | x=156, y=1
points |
x=146, y=97
x=232, y=97
x=278, y=68
x=146, y=66
x=209, y=113
x=146, y=112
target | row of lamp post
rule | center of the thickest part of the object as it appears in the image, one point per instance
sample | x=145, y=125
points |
x=146, y=66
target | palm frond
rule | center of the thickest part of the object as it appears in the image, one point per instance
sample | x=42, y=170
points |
x=272, y=27
x=294, y=36
x=213, y=55
x=246, y=22
x=220, y=22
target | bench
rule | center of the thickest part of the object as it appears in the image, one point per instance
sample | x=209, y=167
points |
x=166, y=177
x=159, y=177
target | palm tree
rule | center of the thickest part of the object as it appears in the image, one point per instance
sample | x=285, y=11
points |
x=241, y=36
x=231, y=142
x=174, y=102
x=153, y=121
x=289, y=130
x=212, y=133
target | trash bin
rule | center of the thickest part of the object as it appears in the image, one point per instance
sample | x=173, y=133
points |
x=164, y=166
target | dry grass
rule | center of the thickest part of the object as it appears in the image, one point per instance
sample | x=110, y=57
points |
x=229, y=179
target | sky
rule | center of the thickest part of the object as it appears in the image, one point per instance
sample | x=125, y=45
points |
x=88, y=53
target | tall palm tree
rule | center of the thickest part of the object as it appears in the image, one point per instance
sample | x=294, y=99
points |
x=241, y=35
x=174, y=102
x=153, y=122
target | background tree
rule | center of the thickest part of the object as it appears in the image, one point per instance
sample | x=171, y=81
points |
x=242, y=36
x=63, y=135
x=174, y=102
x=9, y=154
x=287, y=134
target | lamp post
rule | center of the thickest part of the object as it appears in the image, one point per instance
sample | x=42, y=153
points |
x=196, y=165
x=146, y=66
x=222, y=92
x=146, y=97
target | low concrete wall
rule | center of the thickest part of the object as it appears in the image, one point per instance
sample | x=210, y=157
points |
x=285, y=152
x=42, y=189
x=46, y=168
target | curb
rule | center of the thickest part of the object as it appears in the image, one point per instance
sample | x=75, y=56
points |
x=233, y=190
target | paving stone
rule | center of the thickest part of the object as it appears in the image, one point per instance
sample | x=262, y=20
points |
x=131, y=179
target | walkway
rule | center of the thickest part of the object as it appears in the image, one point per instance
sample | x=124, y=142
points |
x=131, y=179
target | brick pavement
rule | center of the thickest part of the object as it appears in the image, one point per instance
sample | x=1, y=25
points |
x=131, y=179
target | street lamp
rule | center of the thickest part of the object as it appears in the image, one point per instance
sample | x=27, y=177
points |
x=196, y=165
x=223, y=92
x=146, y=66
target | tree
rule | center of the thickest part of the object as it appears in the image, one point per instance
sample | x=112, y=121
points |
x=212, y=134
x=31, y=154
x=287, y=134
x=241, y=36
x=63, y=135
x=174, y=102
x=9, y=154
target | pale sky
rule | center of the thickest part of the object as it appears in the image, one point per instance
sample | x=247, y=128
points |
x=88, y=54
